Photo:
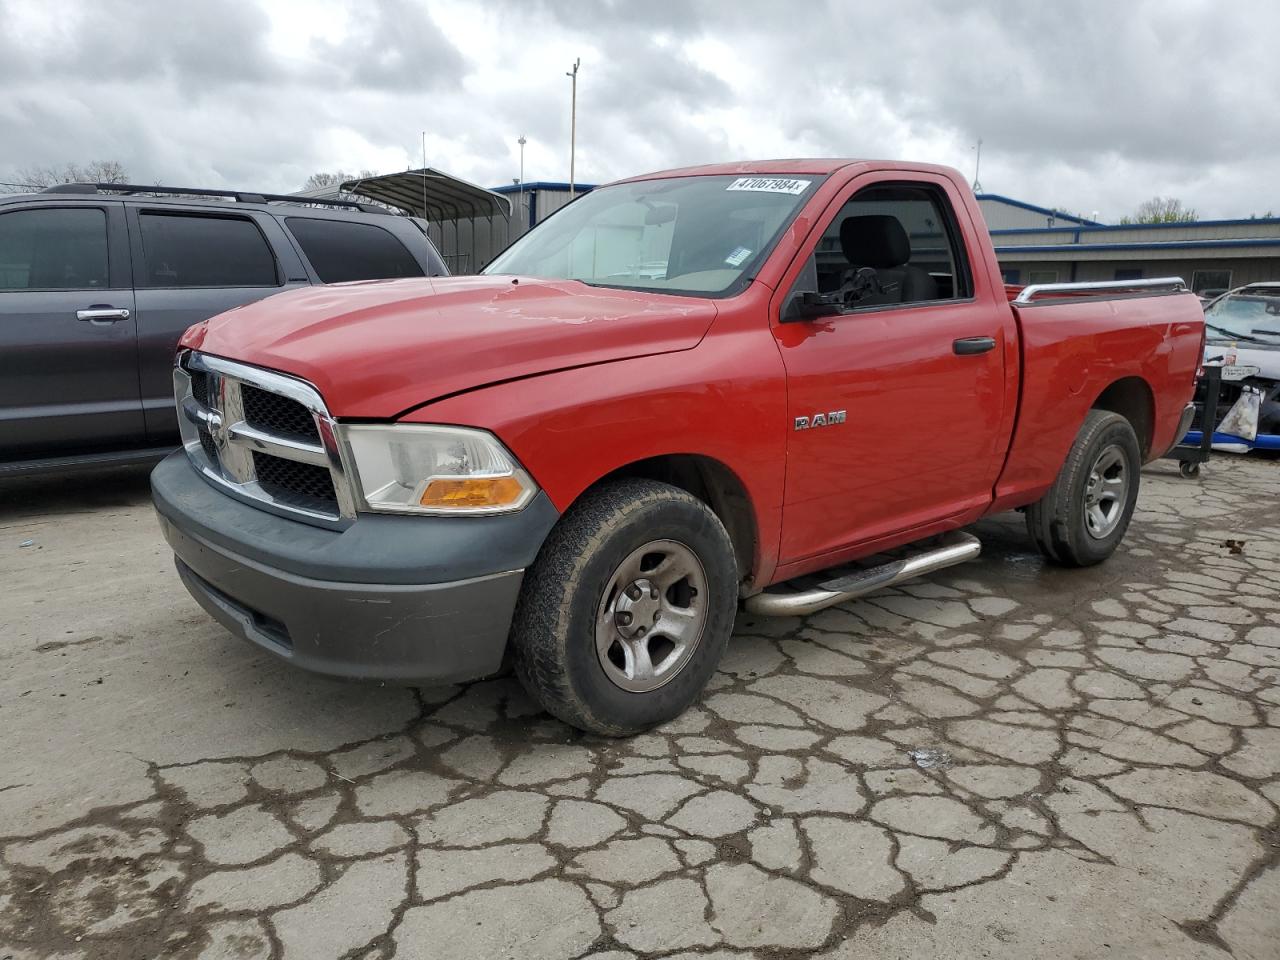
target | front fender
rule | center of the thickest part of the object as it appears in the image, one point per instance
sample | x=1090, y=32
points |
x=725, y=400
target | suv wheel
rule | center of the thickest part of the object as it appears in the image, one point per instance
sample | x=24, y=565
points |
x=1085, y=514
x=623, y=617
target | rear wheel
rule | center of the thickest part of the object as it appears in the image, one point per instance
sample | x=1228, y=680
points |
x=624, y=615
x=1085, y=514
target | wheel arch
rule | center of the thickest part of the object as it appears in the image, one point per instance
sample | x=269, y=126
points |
x=715, y=484
x=1132, y=398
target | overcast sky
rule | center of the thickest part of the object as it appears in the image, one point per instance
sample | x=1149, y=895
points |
x=1090, y=106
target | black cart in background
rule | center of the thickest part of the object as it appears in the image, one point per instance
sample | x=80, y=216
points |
x=1190, y=456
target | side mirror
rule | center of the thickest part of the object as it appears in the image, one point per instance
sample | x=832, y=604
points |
x=811, y=305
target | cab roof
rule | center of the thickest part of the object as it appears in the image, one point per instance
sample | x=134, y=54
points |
x=813, y=166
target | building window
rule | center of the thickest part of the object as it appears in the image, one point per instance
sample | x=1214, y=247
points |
x=1218, y=281
x=1011, y=275
x=1128, y=274
x=1042, y=276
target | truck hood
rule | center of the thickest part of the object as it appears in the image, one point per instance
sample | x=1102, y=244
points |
x=378, y=348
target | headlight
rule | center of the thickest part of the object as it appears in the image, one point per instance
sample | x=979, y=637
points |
x=406, y=468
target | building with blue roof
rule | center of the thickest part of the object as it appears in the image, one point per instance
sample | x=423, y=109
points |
x=1038, y=245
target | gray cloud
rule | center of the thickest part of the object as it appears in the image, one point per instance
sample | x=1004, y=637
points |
x=390, y=45
x=1093, y=105
x=142, y=41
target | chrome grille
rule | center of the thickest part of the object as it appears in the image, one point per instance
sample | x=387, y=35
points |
x=262, y=436
x=200, y=387
x=288, y=480
x=277, y=414
x=208, y=445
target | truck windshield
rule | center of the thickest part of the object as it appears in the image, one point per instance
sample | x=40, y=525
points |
x=1247, y=316
x=694, y=236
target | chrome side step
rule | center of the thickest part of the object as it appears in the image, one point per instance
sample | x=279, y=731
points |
x=955, y=548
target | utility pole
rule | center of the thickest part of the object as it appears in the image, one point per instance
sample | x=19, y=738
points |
x=573, y=121
x=977, y=165
x=523, y=220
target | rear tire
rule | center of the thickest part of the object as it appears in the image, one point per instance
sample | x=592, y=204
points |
x=624, y=615
x=1085, y=514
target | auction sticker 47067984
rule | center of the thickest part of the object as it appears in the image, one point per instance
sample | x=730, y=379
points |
x=770, y=185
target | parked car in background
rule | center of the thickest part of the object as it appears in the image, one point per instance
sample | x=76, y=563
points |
x=674, y=394
x=1243, y=337
x=97, y=282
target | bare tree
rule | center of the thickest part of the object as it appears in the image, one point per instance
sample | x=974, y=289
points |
x=95, y=171
x=1161, y=210
x=335, y=178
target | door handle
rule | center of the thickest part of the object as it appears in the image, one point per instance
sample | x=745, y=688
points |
x=103, y=314
x=966, y=346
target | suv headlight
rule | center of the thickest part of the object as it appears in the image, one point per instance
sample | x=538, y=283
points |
x=407, y=468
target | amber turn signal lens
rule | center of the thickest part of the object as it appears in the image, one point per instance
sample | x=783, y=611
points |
x=471, y=492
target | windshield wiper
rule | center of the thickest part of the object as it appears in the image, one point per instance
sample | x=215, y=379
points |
x=1233, y=334
x=1270, y=333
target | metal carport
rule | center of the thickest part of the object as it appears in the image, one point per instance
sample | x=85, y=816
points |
x=444, y=200
x=480, y=220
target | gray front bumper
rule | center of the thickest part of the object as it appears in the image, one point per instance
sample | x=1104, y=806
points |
x=375, y=600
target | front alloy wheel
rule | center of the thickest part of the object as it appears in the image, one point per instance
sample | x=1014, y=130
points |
x=624, y=615
x=652, y=615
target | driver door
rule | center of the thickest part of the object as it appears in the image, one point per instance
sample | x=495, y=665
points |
x=896, y=396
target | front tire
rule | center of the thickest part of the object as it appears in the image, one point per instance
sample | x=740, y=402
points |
x=624, y=615
x=1085, y=514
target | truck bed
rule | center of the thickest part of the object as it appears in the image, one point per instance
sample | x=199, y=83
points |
x=1081, y=344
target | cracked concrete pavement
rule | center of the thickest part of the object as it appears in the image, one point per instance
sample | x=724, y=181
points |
x=1003, y=760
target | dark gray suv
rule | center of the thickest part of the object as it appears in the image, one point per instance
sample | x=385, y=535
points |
x=97, y=282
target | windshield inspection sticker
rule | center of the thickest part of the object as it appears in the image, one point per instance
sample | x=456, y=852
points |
x=736, y=258
x=770, y=185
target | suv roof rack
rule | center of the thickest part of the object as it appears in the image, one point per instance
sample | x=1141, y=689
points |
x=71, y=188
x=240, y=196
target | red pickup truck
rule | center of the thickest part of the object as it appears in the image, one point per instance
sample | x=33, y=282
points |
x=674, y=396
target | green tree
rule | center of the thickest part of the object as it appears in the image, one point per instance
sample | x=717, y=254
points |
x=1161, y=210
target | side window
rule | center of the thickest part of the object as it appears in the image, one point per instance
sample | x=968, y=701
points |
x=891, y=244
x=194, y=250
x=59, y=248
x=340, y=250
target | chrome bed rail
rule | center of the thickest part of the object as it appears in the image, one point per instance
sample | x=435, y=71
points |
x=1140, y=287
